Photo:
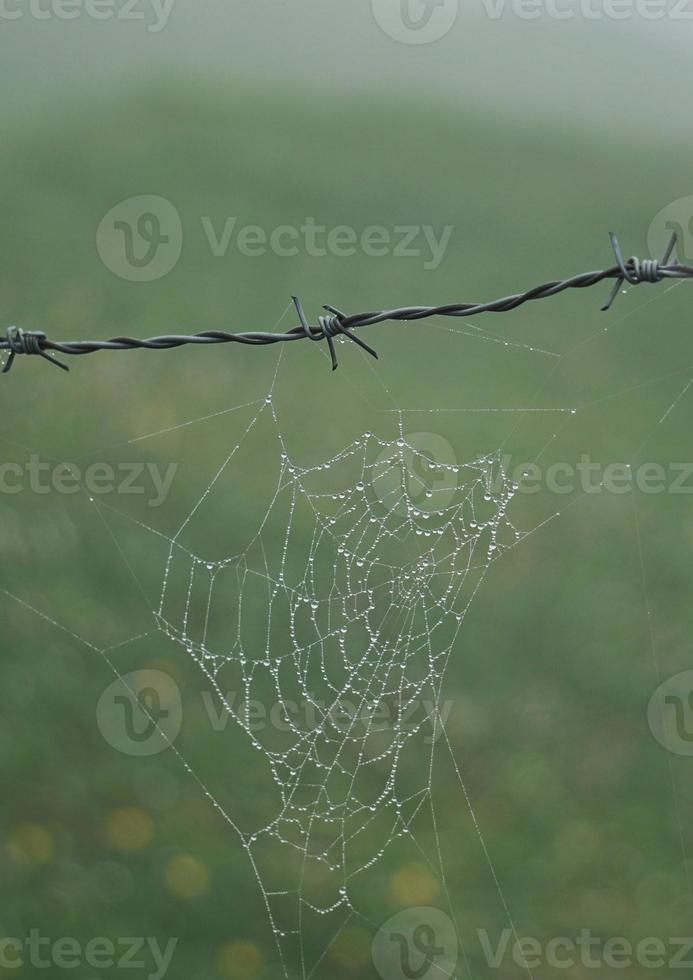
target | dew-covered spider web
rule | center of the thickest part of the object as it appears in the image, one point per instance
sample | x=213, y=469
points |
x=353, y=621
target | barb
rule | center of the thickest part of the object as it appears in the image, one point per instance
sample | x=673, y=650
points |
x=633, y=271
x=25, y=342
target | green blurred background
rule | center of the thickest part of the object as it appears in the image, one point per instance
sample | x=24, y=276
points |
x=532, y=140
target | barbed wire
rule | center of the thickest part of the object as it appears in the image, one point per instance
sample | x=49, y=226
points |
x=632, y=271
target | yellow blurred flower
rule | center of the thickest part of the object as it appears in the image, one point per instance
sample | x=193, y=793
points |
x=240, y=960
x=130, y=828
x=186, y=876
x=413, y=884
x=31, y=843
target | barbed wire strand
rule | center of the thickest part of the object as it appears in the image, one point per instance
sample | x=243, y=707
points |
x=632, y=271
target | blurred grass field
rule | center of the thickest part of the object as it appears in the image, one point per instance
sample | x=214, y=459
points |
x=554, y=670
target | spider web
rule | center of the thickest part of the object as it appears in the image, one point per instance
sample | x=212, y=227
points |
x=339, y=604
x=358, y=617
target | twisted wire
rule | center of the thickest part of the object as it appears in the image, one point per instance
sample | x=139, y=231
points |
x=632, y=271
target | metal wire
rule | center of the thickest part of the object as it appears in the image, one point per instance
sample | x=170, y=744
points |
x=632, y=271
